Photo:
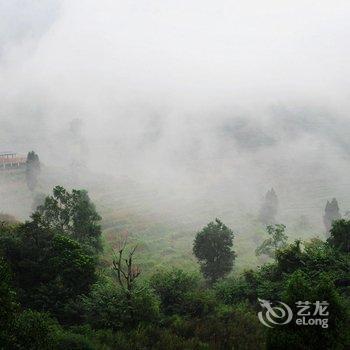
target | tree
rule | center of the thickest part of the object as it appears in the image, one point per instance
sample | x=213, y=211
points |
x=32, y=170
x=8, y=305
x=278, y=239
x=340, y=235
x=126, y=270
x=49, y=269
x=269, y=208
x=73, y=214
x=331, y=213
x=303, y=287
x=212, y=247
x=291, y=257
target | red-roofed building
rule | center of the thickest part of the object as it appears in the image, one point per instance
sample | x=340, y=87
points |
x=11, y=160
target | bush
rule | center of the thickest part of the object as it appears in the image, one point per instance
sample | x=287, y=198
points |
x=340, y=235
x=107, y=306
x=232, y=328
x=233, y=290
x=8, y=305
x=34, y=330
x=301, y=287
x=199, y=303
x=172, y=288
x=71, y=341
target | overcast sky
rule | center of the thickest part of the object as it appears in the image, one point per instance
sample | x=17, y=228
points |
x=166, y=89
x=181, y=47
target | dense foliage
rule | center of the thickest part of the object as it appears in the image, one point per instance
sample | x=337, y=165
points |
x=277, y=240
x=212, y=247
x=56, y=294
x=50, y=270
x=70, y=213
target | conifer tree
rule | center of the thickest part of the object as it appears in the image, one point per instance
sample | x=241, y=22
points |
x=32, y=170
x=331, y=214
x=269, y=208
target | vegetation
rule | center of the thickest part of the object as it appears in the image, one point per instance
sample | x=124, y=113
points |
x=212, y=247
x=340, y=238
x=269, y=208
x=49, y=269
x=32, y=170
x=72, y=214
x=277, y=240
x=60, y=290
x=331, y=213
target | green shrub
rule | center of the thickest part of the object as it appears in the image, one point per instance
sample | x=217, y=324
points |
x=71, y=341
x=232, y=328
x=107, y=306
x=172, y=287
x=300, y=287
x=34, y=330
x=8, y=305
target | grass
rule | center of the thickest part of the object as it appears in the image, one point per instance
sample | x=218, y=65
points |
x=163, y=241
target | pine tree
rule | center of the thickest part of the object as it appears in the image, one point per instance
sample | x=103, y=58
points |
x=331, y=214
x=269, y=208
x=32, y=170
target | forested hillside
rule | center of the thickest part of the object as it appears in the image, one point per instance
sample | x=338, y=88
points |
x=68, y=282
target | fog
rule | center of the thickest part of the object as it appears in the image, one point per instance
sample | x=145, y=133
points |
x=191, y=106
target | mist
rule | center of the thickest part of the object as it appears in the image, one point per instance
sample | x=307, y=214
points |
x=187, y=106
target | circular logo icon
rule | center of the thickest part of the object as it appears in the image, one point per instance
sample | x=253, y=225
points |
x=278, y=314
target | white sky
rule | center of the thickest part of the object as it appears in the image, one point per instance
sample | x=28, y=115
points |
x=154, y=81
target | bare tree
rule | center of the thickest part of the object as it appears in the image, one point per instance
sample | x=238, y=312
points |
x=126, y=271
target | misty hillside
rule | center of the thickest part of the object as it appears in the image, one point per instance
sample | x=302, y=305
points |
x=174, y=175
x=164, y=224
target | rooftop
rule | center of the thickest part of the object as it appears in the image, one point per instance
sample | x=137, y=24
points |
x=7, y=153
